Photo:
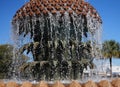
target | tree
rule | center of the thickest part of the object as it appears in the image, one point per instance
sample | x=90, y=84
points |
x=111, y=49
x=5, y=59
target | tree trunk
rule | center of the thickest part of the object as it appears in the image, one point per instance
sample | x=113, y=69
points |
x=110, y=66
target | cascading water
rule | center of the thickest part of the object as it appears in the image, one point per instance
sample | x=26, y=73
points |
x=61, y=38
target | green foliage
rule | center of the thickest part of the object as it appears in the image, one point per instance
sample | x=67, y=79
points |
x=6, y=55
x=5, y=59
x=111, y=49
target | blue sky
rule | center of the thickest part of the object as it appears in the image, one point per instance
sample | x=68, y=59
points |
x=7, y=10
x=110, y=14
x=109, y=11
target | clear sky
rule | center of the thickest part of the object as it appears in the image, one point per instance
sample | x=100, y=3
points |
x=109, y=10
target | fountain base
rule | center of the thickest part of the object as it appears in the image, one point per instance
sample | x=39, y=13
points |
x=90, y=83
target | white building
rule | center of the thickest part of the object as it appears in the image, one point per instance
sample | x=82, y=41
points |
x=116, y=70
x=104, y=70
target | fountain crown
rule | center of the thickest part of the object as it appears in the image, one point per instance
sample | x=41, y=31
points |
x=39, y=7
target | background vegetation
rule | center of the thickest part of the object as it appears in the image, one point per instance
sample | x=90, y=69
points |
x=6, y=54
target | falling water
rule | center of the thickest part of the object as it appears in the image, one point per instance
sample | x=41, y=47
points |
x=58, y=45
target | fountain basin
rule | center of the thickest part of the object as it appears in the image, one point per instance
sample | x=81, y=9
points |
x=90, y=83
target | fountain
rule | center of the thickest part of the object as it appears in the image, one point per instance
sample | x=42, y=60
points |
x=60, y=37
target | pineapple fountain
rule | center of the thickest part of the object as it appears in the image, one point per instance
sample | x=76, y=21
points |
x=61, y=38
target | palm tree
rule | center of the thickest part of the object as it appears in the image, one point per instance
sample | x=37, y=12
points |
x=111, y=49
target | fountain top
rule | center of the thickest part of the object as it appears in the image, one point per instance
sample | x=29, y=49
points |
x=45, y=7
